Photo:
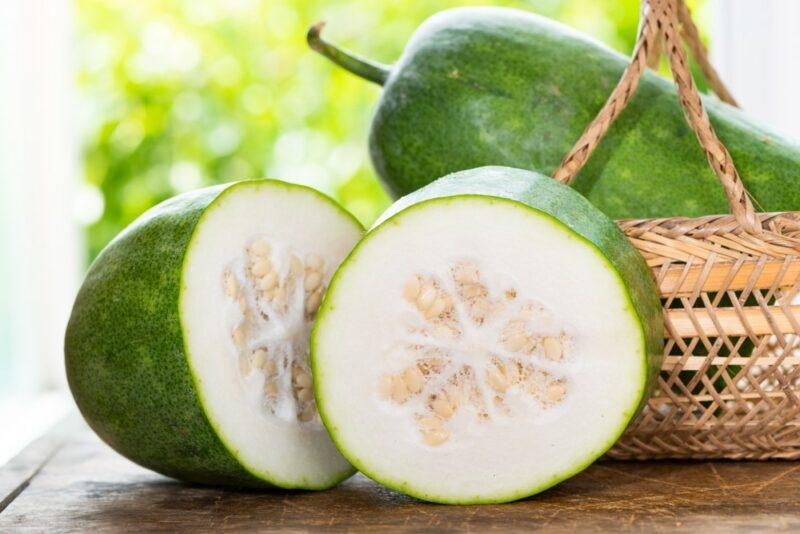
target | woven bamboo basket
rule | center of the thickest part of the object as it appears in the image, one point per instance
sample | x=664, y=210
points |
x=730, y=285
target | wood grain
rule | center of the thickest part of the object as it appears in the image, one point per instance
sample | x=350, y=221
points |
x=17, y=474
x=86, y=487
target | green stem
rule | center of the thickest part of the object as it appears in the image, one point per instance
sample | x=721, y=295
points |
x=369, y=70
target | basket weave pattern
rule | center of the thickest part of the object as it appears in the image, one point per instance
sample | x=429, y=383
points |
x=729, y=386
x=730, y=383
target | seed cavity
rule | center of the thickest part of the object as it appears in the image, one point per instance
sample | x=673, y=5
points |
x=271, y=291
x=441, y=382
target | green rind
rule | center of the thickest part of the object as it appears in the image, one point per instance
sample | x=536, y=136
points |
x=125, y=355
x=566, y=208
x=492, y=86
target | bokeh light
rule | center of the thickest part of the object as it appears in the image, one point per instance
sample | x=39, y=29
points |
x=182, y=94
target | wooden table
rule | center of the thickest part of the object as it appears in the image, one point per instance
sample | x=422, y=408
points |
x=69, y=481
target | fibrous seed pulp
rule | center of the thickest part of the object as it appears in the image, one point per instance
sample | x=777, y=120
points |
x=468, y=351
x=275, y=297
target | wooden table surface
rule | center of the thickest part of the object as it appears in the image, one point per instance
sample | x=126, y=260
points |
x=69, y=481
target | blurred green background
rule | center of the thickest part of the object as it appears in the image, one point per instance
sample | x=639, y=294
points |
x=182, y=94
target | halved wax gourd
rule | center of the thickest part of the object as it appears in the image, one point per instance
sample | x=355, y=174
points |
x=187, y=349
x=492, y=335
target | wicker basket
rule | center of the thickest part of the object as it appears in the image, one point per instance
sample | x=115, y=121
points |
x=730, y=383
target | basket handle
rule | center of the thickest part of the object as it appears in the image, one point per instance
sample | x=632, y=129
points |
x=660, y=18
x=691, y=37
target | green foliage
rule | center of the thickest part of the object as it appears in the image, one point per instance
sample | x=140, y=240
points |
x=182, y=94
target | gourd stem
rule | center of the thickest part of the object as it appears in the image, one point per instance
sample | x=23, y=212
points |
x=369, y=70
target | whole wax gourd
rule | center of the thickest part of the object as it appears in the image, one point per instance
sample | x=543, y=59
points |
x=494, y=86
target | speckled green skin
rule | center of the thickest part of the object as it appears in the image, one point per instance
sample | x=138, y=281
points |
x=126, y=360
x=489, y=86
x=566, y=208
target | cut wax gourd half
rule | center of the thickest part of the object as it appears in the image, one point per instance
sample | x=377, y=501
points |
x=491, y=336
x=187, y=348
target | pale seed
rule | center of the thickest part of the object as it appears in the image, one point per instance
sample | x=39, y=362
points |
x=261, y=267
x=434, y=437
x=399, y=389
x=515, y=342
x=514, y=327
x=480, y=309
x=530, y=345
x=307, y=414
x=238, y=335
x=264, y=285
x=448, y=303
x=271, y=389
x=305, y=394
x=269, y=281
x=536, y=382
x=442, y=407
x=411, y=289
x=555, y=392
x=313, y=301
x=426, y=297
x=312, y=281
x=303, y=379
x=454, y=395
x=244, y=366
x=314, y=262
x=259, y=358
x=497, y=379
x=414, y=379
x=260, y=248
x=466, y=274
x=552, y=348
x=231, y=285
x=243, y=305
x=271, y=367
x=430, y=422
x=512, y=373
x=441, y=330
x=436, y=309
x=295, y=266
x=280, y=295
x=385, y=387
x=473, y=290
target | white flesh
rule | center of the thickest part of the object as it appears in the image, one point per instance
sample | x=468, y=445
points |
x=525, y=442
x=268, y=432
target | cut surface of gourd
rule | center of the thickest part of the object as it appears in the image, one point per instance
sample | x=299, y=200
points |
x=205, y=305
x=491, y=336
